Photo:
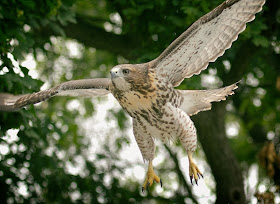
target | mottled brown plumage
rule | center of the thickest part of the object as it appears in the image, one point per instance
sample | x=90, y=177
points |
x=146, y=91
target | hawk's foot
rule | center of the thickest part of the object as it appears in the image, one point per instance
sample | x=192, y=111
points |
x=194, y=171
x=150, y=178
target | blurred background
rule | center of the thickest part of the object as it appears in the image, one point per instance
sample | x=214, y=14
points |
x=82, y=150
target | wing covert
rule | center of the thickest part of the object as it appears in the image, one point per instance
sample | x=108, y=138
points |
x=84, y=87
x=205, y=40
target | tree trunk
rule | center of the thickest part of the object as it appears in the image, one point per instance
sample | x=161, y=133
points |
x=225, y=168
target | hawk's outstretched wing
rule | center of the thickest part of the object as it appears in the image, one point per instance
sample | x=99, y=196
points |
x=205, y=40
x=200, y=100
x=85, y=87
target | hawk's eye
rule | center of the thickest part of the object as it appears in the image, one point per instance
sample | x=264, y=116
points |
x=125, y=71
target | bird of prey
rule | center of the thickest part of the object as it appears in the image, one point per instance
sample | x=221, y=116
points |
x=146, y=91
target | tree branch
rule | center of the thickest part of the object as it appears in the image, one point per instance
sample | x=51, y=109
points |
x=241, y=62
x=91, y=35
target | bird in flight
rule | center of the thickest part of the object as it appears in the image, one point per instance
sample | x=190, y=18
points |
x=146, y=91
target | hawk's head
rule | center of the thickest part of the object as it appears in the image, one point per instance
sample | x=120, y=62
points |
x=128, y=77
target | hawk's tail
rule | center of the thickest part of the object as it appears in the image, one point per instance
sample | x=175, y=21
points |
x=200, y=100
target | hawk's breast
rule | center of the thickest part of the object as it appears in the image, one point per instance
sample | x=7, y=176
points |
x=134, y=101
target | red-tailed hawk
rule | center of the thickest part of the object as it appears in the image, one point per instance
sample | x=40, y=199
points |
x=146, y=91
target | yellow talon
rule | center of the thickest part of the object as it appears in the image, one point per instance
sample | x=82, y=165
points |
x=150, y=178
x=194, y=172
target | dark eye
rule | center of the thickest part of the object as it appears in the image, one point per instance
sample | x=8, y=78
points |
x=126, y=71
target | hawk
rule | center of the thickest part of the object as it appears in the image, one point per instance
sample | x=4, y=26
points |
x=146, y=91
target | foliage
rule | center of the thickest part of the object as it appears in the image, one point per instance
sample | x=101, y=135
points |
x=48, y=140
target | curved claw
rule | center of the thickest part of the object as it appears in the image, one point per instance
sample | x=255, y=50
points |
x=150, y=178
x=145, y=187
x=194, y=173
x=148, y=185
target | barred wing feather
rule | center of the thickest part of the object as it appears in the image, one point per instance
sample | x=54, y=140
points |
x=85, y=87
x=205, y=40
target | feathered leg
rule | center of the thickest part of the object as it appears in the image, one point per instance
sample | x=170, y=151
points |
x=188, y=139
x=147, y=147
